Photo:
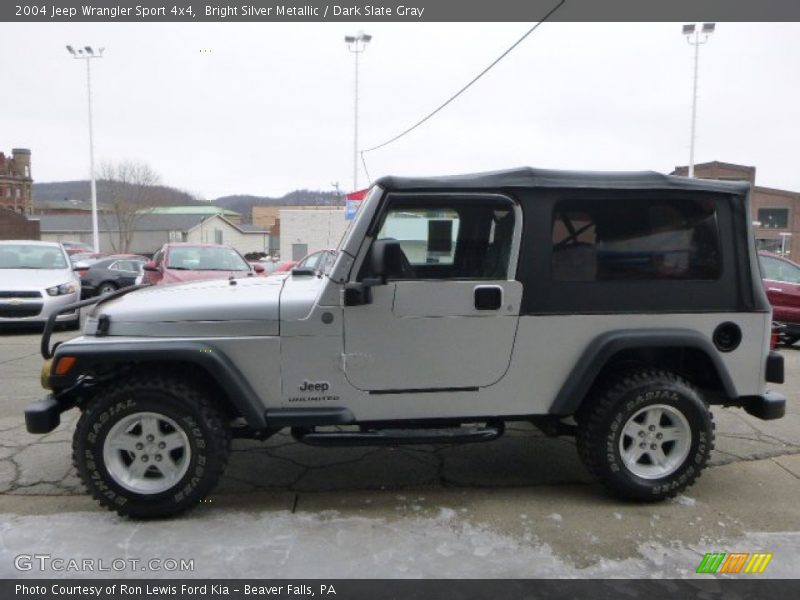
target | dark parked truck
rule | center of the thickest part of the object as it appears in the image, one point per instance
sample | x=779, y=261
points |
x=615, y=307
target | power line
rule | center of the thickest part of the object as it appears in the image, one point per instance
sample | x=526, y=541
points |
x=466, y=87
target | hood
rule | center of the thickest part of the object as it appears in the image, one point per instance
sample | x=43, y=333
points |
x=218, y=307
x=180, y=276
x=34, y=279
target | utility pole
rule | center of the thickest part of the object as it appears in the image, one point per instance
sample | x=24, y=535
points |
x=356, y=44
x=87, y=53
x=692, y=34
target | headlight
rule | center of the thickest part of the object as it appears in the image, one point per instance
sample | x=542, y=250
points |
x=64, y=288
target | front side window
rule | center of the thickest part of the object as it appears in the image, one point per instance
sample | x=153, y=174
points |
x=609, y=239
x=467, y=239
x=426, y=235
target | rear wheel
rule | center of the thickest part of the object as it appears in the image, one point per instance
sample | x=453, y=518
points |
x=789, y=340
x=647, y=436
x=150, y=447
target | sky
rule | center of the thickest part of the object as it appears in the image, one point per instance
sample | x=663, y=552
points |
x=266, y=108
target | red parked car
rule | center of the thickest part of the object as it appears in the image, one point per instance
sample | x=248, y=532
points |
x=76, y=247
x=781, y=279
x=179, y=262
x=282, y=268
x=316, y=261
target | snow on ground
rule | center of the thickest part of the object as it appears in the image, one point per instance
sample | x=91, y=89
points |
x=285, y=545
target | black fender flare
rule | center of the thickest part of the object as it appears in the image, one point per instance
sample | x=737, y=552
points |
x=200, y=354
x=603, y=347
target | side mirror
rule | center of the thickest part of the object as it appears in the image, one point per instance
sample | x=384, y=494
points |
x=150, y=266
x=258, y=268
x=387, y=260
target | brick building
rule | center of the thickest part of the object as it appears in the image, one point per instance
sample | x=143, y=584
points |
x=16, y=226
x=15, y=181
x=775, y=213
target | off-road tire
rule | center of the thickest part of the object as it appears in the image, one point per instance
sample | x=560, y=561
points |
x=604, y=414
x=189, y=407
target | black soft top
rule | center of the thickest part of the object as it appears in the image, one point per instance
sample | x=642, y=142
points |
x=528, y=177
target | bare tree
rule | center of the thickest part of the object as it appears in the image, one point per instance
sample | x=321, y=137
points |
x=130, y=190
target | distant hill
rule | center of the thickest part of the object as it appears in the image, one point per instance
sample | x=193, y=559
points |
x=168, y=196
x=80, y=190
x=243, y=204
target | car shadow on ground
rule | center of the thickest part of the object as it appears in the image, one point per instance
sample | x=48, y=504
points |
x=522, y=457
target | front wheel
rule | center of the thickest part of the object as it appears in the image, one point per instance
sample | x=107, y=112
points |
x=150, y=447
x=647, y=436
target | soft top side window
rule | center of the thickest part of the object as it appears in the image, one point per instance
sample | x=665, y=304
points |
x=658, y=239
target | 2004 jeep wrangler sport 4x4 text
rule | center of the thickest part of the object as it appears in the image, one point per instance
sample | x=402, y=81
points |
x=616, y=307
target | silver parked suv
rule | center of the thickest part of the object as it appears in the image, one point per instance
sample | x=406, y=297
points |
x=36, y=280
x=615, y=307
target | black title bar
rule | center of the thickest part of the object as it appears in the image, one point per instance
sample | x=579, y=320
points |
x=148, y=11
x=405, y=589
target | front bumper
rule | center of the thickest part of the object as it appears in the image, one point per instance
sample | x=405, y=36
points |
x=43, y=416
x=38, y=310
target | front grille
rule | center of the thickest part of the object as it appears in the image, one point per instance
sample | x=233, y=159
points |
x=16, y=312
x=20, y=294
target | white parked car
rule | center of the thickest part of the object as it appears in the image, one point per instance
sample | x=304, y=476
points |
x=36, y=279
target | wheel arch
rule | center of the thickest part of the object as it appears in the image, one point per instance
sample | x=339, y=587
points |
x=677, y=350
x=200, y=361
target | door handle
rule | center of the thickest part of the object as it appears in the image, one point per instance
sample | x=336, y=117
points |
x=488, y=297
x=774, y=290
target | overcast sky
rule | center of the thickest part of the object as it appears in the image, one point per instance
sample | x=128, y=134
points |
x=267, y=108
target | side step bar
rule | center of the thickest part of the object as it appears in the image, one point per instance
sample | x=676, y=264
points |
x=396, y=437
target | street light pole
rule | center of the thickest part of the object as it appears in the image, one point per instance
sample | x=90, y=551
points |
x=87, y=53
x=356, y=44
x=692, y=34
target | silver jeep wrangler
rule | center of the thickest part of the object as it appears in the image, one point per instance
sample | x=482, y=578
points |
x=616, y=307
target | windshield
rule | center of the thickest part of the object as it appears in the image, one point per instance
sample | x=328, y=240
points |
x=206, y=258
x=29, y=256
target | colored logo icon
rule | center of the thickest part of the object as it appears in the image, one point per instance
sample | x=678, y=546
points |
x=734, y=562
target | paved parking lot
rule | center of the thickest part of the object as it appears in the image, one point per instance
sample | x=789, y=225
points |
x=519, y=506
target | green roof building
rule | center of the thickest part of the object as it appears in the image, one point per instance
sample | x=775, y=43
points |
x=202, y=210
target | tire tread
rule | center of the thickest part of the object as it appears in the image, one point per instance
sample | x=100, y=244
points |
x=161, y=383
x=590, y=439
